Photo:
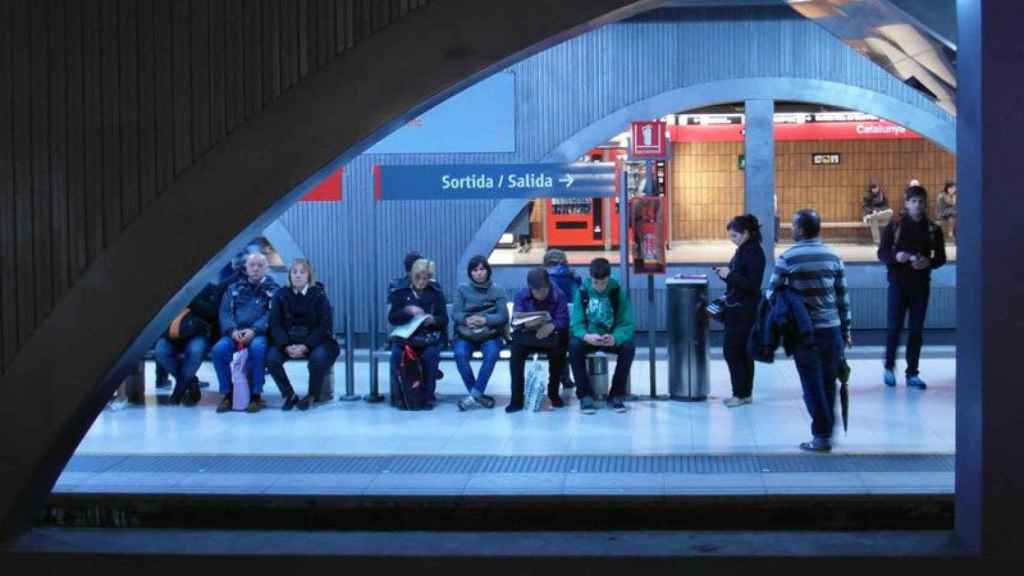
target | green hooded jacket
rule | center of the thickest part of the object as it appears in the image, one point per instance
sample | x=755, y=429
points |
x=602, y=317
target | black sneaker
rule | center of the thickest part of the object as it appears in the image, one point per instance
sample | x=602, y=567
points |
x=306, y=402
x=618, y=405
x=290, y=402
x=255, y=404
x=176, y=397
x=485, y=401
x=165, y=383
x=192, y=393
x=225, y=405
x=511, y=408
x=557, y=402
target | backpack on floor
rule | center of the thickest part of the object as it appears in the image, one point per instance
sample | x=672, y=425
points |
x=412, y=389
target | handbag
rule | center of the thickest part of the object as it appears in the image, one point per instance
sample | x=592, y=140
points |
x=536, y=385
x=423, y=338
x=239, y=380
x=716, y=309
x=481, y=334
x=529, y=339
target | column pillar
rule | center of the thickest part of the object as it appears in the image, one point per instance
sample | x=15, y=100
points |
x=759, y=178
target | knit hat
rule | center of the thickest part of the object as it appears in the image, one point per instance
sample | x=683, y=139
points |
x=555, y=256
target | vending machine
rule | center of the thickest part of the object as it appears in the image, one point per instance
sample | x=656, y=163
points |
x=593, y=223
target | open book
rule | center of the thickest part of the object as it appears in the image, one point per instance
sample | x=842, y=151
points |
x=406, y=330
x=520, y=318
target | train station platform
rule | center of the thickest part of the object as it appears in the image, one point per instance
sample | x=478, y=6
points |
x=694, y=252
x=899, y=441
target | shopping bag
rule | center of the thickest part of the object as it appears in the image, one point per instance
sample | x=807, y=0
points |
x=536, y=384
x=239, y=380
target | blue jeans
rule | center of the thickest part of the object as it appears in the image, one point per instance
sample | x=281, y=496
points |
x=191, y=352
x=906, y=297
x=225, y=348
x=464, y=350
x=430, y=357
x=817, y=362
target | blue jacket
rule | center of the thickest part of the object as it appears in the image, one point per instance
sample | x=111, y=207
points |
x=566, y=279
x=247, y=305
x=782, y=318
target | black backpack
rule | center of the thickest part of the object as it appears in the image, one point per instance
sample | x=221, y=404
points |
x=412, y=390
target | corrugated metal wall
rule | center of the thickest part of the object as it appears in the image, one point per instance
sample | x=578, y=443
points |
x=559, y=92
x=104, y=102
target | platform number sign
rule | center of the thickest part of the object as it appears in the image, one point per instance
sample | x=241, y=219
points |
x=825, y=158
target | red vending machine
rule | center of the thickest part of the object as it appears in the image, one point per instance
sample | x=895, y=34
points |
x=593, y=223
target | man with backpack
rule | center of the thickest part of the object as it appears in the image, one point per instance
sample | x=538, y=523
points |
x=602, y=319
x=912, y=246
x=817, y=274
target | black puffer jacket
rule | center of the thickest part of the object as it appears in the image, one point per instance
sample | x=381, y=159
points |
x=297, y=318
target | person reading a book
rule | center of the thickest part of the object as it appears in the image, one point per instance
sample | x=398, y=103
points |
x=540, y=323
x=480, y=313
x=420, y=306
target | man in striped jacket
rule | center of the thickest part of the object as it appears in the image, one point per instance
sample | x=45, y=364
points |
x=816, y=273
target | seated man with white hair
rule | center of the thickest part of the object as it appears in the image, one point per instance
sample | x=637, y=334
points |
x=244, y=320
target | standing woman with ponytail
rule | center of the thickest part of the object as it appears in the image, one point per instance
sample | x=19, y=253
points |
x=743, y=292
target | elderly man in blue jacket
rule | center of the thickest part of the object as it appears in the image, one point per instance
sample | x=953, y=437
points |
x=244, y=320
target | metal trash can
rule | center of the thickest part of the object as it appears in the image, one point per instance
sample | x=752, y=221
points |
x=597, y=370
x=688, y=377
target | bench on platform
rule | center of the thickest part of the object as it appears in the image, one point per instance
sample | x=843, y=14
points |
x=856, y=229
x=133, y=386
x=448, y=355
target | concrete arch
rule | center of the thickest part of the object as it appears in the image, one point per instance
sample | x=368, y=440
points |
x=126, y=298
x=938, y=129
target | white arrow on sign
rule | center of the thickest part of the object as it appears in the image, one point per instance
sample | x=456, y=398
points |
x=568, y=179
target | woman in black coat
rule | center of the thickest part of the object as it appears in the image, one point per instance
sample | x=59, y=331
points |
x=743, y=292
x=301, y=326
x=420, y=297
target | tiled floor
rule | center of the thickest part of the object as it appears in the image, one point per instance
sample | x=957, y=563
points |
x=882, y=421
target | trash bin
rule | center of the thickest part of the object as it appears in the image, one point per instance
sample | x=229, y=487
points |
x=688, y=377
x=597, y=370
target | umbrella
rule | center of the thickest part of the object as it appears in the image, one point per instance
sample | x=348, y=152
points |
x=844, y=390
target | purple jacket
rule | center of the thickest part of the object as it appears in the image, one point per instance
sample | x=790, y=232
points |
x=555, y=305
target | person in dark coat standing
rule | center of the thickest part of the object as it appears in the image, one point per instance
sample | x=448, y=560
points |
x=421, y=296
x=911, y=248
x=743, y=279
x=301, y=326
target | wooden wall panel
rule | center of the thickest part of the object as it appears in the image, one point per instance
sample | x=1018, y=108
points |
x=104, y=102
x=836, y=191
x=708, y=187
